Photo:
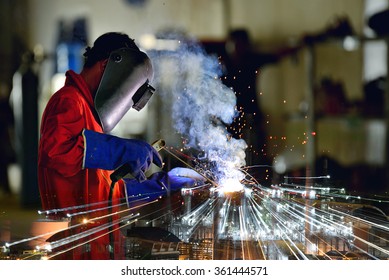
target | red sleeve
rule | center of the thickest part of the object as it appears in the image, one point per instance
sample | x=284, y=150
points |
x=62, y=144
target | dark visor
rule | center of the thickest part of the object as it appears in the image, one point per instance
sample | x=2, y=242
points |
x=142, y=96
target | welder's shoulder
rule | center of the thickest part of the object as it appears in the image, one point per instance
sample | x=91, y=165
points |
x=64, y=97
x=67, y=92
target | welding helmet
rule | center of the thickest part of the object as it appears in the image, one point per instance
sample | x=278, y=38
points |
x=124, y=85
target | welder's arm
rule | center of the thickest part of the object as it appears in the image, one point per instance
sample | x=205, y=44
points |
x=160, y=183
x=109, y=152
x=61, y=145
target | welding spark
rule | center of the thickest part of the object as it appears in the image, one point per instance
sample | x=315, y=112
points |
x=230, y=185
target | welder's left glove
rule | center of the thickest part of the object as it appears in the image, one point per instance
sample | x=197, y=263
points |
x=160, y=183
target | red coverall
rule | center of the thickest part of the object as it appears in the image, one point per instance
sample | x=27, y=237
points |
x=62, y=180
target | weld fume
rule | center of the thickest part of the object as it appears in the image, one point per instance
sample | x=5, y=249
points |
x=202, y=106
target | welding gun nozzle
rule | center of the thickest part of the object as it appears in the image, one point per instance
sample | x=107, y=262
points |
x=158, y=144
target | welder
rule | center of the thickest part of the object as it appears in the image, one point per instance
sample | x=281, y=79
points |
x=77, y=154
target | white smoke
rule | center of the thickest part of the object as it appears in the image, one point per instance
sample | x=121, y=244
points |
x=201, y=106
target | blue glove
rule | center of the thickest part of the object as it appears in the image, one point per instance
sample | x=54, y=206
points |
x=109, y=152
x=157, y=185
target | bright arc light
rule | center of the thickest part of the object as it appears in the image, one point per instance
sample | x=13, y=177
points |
x=48, y=247
x=230, y=185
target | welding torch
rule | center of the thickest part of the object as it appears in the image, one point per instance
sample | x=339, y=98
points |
x=125, y=170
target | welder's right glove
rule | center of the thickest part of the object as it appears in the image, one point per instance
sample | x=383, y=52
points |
x=109, y=152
